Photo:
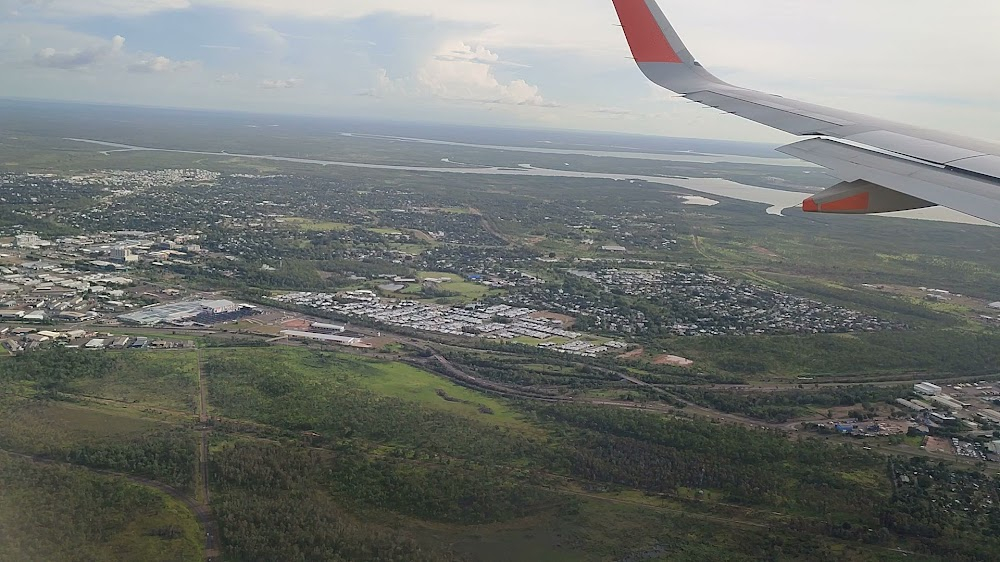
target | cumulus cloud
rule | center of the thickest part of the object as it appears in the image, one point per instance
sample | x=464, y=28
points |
x=74, y=59
x=160, y=64
x=281, y=84
x=462, y=73
x=479, y=55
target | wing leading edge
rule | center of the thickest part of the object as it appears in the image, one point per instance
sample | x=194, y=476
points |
x=885, y=166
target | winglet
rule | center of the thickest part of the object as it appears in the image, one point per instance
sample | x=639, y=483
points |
x=658, y=50
x=649, y=34
x=645, y=34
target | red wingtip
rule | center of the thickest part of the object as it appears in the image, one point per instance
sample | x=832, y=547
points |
x=810, y=206
x=643, y=32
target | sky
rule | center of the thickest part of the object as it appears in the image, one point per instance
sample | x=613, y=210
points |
x=525, y=63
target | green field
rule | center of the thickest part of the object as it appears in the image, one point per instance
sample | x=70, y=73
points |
x=54, y=428
x=464, y=291
x=318, y=453
x=167, y=380
x=319, y=391
x=311, y=225
x=414, y=385
x=50, y=512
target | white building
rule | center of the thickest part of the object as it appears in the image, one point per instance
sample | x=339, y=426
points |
x=123, y=254
x=27, y=241
x=329, y=327
x=36, y=316
x=927, y=389
x=342, y=340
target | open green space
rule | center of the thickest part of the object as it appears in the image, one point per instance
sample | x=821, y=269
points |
x=456, y=291
x=926, y=353
x=41, y=419
x=55, y=428
x=322, y=391
x=52, y=512
x=433, y=392
x=166, y=380
x=321, y=453
x=314, y=225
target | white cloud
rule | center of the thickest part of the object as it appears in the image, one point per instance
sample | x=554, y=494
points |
x=460, y=72
x=281, y=84
x=222, y=47
x=268, y=34
x=479, y=54
x=86, y=8
x=160, y=64
x=78, y=58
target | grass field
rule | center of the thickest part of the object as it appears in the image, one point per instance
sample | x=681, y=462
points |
x=166, y=380
x=315, y=225
x=414, y=385
x=467, y=290
x=52, y=428
x=306, y=376
x=623, y=526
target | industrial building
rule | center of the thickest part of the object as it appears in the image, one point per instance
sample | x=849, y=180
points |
x=342, y=340
x=991, y=415
x=943, y=418
x=123, y=254
x=927, y=389
x=329, y=328
x=911, y=405
x=202, y=311
x=947, y=402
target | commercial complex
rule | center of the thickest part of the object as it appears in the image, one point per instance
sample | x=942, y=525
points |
x=196, y=311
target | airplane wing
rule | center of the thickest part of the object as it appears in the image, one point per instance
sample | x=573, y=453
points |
x=885, y=166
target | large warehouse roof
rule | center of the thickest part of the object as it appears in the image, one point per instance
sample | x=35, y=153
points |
x=177, y=311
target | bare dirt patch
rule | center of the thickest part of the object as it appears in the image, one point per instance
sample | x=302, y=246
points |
x=297, y=324
x=939, y=445
x=673, y=360
x=380, y=342
x=634, y=354
x=567, y=321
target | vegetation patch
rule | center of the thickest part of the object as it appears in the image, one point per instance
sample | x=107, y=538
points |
x=163, y=380
x=52, y=512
